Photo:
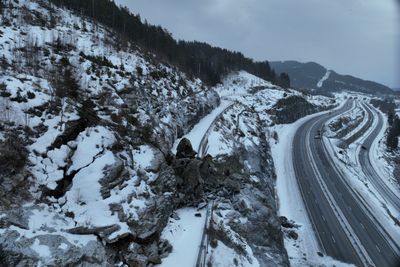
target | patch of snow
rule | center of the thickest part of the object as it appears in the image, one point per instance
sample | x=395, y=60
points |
x=217, y=145
x=63, y=246
x=143, y=156
x=223, y=256
x=323, y=79
x=239, y=83
x=185, y=237
x=42, y=250
x=89, y=144
x=46, y=218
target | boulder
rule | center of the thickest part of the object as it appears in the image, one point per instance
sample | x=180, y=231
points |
x=139, y=255
x=185, y=149
x=189, y=181
x=17, y=250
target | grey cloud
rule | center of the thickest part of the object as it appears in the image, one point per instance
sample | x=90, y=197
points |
x=358, y=37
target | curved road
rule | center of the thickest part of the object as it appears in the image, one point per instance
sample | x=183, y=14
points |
x=345, y=229
x=363, y=129
x=369, y=170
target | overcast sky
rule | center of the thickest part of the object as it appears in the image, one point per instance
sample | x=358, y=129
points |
x=357, y=37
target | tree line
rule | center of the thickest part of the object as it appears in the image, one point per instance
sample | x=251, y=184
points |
x=392, y=138
x=393, y=133
x=197, y=59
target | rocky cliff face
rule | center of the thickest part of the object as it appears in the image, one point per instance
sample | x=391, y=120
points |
x=292, y=108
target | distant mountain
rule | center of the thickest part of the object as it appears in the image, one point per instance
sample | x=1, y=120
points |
x=313, y=76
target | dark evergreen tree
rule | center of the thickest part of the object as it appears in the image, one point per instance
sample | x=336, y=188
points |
x=284, y=80
x=392, y=138
x=392, y=141
x=65, y=82
x=396, y=125
x=86, y=111
x=391, y=117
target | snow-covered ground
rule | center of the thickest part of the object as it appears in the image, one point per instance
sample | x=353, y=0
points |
x=184, y=233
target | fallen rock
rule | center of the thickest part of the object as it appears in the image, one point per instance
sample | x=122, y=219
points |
x=185, y=149
x=293, y=235
x=104, y=232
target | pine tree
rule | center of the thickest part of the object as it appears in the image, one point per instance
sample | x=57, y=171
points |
x=284, y=80
x=390, y=117
x=392, y=141
x=392, y=138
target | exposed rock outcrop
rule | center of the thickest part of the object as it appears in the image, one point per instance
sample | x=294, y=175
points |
x=292, y=108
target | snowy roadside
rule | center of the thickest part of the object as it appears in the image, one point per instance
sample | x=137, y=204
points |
x=184, y=233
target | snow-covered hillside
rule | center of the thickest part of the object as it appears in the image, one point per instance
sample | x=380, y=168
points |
x=98, y=143
x=94, y=119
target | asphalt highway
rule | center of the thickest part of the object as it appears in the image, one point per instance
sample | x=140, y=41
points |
x=369, y=170
x=345, y=227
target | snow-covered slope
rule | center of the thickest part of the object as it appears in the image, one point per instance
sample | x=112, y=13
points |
x=323, y=79
x=94, y=118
